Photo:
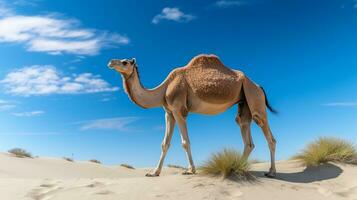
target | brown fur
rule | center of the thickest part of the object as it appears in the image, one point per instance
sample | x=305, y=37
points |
x=127, y=88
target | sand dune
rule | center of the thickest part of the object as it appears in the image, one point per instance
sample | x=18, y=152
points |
x=57, y=179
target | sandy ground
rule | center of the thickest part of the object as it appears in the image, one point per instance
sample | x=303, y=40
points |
x=57, y=179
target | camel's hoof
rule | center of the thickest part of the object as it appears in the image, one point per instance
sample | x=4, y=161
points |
x=270, y=174
x=188, y=172
x=151, y=175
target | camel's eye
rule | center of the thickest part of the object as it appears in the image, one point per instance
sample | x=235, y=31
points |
x=125, y=62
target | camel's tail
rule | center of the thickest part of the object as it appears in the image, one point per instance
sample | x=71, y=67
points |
x=267, y=102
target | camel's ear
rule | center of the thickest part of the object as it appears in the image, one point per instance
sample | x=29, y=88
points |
x=133, y=61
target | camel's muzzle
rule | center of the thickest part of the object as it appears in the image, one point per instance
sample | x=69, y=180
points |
x=113, y=63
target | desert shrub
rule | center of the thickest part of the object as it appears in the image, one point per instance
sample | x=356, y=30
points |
x=21, y=153
x=226, y=163
x=176, y=166
x=327, y=149
x=68, y=159
x=127, y=166
x=95, y=161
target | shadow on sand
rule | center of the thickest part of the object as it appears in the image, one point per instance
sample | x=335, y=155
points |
x=309, y=175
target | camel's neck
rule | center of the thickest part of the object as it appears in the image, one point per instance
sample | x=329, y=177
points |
x=146, y=98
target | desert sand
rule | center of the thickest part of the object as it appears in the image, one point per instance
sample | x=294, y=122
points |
x=57, y=179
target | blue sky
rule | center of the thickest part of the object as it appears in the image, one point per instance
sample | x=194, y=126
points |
x=58, y=98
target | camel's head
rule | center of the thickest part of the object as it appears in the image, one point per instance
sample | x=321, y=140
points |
x=123, y=66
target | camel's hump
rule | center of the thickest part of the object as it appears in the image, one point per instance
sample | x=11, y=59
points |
x=203, y=60
x=209, y=79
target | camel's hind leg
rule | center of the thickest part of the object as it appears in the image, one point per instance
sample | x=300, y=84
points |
x=271, y=142
x=256, y=101
x=244, y=119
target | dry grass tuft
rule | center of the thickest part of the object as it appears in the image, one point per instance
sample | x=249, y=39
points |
x=327, y=149
x=95, y=161
x=127, y=166
x=21, y=153
x=227, y=163
x=68, y=159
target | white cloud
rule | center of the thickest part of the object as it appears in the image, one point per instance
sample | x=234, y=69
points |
x=29, y=114
x=229, y=3
x=6, y=105
x=118, y=124
x=45, y=80
x=53, y=34
x=341, y=104
x=172, y=14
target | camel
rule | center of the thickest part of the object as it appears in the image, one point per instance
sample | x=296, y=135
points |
x=206, y=86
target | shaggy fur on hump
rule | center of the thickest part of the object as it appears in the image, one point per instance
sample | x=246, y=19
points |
x=211, y=80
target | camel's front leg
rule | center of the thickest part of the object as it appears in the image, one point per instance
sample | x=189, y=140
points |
x=170, y=123
x=181, y=121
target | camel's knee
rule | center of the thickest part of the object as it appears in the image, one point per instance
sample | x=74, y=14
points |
x=272, y=143
x=250, y=146
x=185, y=144
x=259, y=120
x=165, y=146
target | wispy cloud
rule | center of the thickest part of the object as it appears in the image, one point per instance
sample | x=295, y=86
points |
x=172, y=14
x=116, y=124
x=45, y=80
x=29, y=114
x=54, y=34
x=75, y=60
x=341, y=104
x=229, y=3
x=106, y=99
x=159, y=128
x=6, y=105
x=25, y=2
x=4, y=10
